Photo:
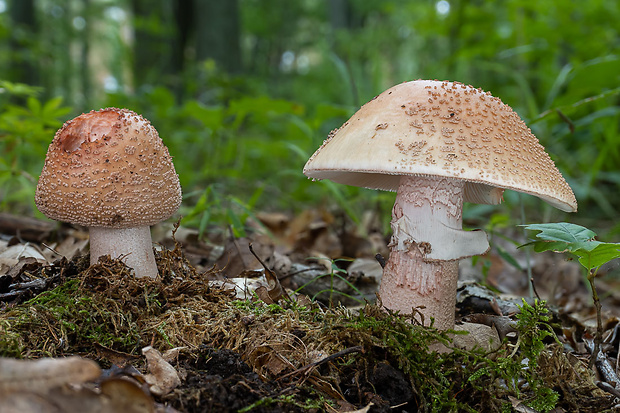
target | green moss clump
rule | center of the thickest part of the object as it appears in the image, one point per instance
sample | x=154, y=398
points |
x=330, y=353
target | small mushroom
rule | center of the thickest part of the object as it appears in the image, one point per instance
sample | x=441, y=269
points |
x=437, y=144
x=109, y=170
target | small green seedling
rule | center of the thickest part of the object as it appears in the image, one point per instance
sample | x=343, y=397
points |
x=591, y=254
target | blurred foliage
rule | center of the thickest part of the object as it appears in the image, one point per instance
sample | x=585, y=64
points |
x=25, y=131
x=241, y=139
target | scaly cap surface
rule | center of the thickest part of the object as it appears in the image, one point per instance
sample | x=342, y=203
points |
x=430, y=127
x=108, y=168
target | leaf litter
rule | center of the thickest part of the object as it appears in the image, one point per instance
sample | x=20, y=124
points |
x=211, y=349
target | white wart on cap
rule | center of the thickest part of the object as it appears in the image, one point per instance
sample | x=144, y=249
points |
x=110, y=171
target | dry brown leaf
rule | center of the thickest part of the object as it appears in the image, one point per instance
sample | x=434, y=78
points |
x=275, y=222
x=11, y=256
x=125, y=396
x=115, y=357
x=68, y=247
x=479, y=336
x=116, y=395
x=44, y=374
x=56, y=385
x=173, y=353
x=162, y=377
x=18, y=251
x=312, y=230
x=237, y=257
x=244, y=288
x=26, y=402
x=368, y=268
x=15, y=269
x=269, y=360
x=275, y=292
x=279, y=263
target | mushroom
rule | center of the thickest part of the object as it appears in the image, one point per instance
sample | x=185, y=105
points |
x=437, y=144
x=109, y=170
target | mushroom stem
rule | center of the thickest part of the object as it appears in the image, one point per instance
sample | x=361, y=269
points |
x=132, y=245
x=426, y=244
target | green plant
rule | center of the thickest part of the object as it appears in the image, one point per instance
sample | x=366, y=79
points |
x=522, y=365
x=533, y=328
x=25, y=133
x=214, y=206
x=579, y=242
x=335, y=273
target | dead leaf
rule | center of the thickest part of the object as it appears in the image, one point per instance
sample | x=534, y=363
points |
x=268, y=359
x=18, y=251
x=366, y=267
x=117, y=358
x=275, y=222
x=15, y=269
x=44, y=374
x=244, y=287
x=26, y=402
x=478, y=336
x=13, y=255
x=68, y=247
x=59, y=385
x=312, y=230
x=237, y=257
x=173, y=353
x=275, y=292
x=279, y=263
x=162, y=377
x=125, y=396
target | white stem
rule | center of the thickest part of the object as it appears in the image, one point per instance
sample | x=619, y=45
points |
x=132, y=245
x=426, y=244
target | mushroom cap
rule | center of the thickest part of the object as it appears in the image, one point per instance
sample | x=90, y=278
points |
x=441, y=128
x=108, y=168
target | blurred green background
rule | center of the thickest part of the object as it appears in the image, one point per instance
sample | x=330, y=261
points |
x=244, y=91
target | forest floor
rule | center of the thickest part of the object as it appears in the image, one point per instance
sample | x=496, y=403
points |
x=276, y=321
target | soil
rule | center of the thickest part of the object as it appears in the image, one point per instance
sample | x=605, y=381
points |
x=280, y=351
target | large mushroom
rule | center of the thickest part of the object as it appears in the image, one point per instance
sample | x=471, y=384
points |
x=437, y=144
x=109, y=170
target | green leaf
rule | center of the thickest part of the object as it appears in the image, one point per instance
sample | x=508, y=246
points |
x=562, y=231
x=34, y=105
x=508, y=258
x=603, y=253
x=575, y=239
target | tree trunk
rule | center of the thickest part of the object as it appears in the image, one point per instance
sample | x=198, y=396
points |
x=157, y=55
x=24, y=32
x=217, y=33
x=84, y=39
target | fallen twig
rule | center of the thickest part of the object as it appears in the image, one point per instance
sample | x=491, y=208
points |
x=308, y=367
x=608, y=388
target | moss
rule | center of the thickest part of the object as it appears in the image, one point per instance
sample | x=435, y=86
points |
x=289, y=344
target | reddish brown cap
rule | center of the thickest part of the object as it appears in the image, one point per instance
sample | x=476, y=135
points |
x=440, y=128
x=108, y=168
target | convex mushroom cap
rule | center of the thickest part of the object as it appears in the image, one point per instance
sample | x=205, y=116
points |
x=445, y=129
x=108, y=168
